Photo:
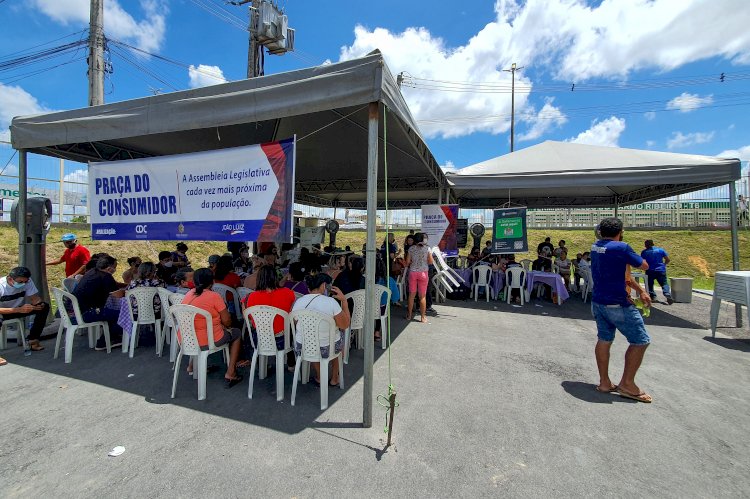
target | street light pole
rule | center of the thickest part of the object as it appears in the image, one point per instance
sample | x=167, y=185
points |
x=512, y=71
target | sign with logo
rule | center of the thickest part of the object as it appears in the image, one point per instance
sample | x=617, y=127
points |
x=235, y=194
x=509, y=231
x=311, y=235
x=439, y=222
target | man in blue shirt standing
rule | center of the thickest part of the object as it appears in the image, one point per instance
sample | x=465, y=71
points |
x=657, y=260
x=613, y=309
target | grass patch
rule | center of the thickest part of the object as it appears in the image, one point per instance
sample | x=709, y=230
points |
x=696, y=254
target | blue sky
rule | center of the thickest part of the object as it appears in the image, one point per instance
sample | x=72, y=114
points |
x=646, y=73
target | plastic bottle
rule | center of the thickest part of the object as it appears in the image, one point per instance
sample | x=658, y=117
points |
x=642, y=308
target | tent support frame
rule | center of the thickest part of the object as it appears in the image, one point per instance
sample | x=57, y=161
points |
x=23, y=193
x=735, y=245
x=372, y=205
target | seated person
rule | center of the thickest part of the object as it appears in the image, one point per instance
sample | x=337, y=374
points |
x=16, y=289
x=92, y=292
x=296, y=279
x=179, y=256
x=251, y=280
x=184, y=280
x=473, y=257
x=243, y=263
x=269, y=293
x=205, y=299
x=334, y=306
x=133, y=263
x=583, y=267
x=212, y=261
x=352, y=278
x=563, y=266
x=165, y=269
x=487, y=251
x=543, y=263
x=146, y=278
x=335, y=265
x=224, y=274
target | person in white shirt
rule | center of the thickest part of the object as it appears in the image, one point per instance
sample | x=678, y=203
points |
x=334, y=306
x=19, y=298
x=563, y=266
x=560, y=248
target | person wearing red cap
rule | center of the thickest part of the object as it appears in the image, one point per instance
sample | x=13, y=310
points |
x=75, y=256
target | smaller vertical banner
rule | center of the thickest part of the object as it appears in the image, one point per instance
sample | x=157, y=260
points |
x=439, y=222
x=509, y=230
x=462, y=232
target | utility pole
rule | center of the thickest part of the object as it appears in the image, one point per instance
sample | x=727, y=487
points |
x=96, y=53
x=252, y=49
x=512, y=71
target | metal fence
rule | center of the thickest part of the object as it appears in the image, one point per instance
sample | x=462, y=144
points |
x=66, y=184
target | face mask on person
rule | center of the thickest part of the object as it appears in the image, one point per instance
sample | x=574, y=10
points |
x=167, y=264
x=18, y=285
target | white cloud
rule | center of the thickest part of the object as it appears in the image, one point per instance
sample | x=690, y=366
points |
x=11, y=169
x=449, y=167
x=686, y=102
x=679, y=140
x=80, y=175
x=743, y=153
x=570, y=38
x=549, y=117
x=649, y=115
x=602, y=133
x=203, y=75
x=650, y=144
x=15, y=101
x=147, y=33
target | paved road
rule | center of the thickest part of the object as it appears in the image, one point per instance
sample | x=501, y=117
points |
x=493, y=400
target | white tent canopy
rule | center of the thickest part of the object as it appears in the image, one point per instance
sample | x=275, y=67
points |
x=564, y=174
x=325, y=106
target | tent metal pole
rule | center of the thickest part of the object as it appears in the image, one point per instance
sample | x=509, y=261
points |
x=23, y=174
x=735, y=244
x=617, y=207
x=440, y=195
x=372, y=205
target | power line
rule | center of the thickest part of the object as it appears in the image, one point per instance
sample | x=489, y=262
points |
x=222, y=14
x=42, y=55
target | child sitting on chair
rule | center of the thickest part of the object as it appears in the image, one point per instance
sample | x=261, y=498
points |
x=563, y=264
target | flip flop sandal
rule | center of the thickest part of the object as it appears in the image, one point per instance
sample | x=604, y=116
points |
x=243, y=363
x=638, y=397
x=611, y=390
x=3, y=361
x=35, y=346
x=229, y=383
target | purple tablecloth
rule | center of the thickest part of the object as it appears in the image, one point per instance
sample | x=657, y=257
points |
x=554, y=280
x=497, y=281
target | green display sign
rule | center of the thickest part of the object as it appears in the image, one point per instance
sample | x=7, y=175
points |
x=509, y=231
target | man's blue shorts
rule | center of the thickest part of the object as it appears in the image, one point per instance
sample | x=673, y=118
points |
x=627, y=319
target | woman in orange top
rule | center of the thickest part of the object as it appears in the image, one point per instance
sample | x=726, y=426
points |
x=205, y=299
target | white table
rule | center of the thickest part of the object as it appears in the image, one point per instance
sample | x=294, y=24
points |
x=732, y=286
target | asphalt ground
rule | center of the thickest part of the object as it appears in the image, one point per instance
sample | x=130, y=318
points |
x=493, y=400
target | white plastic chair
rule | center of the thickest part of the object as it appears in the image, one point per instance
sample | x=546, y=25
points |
x=61, y=297
x=69, y=284
x=588, y=283
x=242, y=293
x=297, y=295
x=223, y=289
x=442, y=267
x=357, y=322
x=401, y=286
x=381, y=290
x=183, y=316
x=174, y=299
x=515, y=278
x=307, y=326
x=526, y=264
x=144, y=298
x=263, y=317
x=482, y=278
x=20, y=327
